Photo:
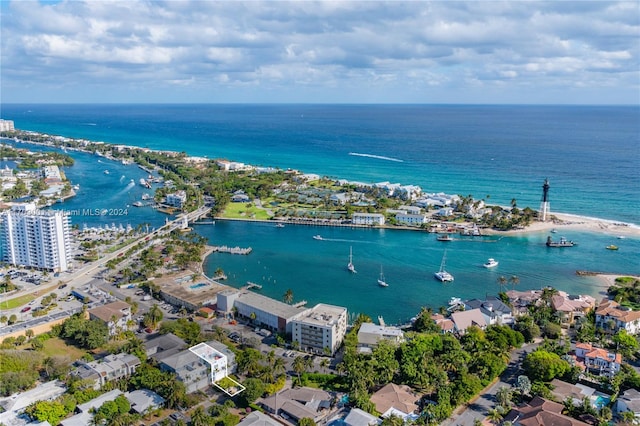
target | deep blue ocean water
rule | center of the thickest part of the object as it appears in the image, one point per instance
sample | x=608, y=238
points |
x=590, y=154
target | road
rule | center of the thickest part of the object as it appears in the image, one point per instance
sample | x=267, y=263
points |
x=479, y=408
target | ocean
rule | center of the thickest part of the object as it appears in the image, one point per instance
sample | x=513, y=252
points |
x=590, y=154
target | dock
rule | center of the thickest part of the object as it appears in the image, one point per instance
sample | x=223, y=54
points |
x=232, y=250
x=251, y=285
x=299, y=304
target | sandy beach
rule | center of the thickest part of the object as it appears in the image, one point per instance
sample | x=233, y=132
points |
x=564, y=221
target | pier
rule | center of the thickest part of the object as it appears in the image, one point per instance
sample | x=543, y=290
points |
x=299, y=304
x=232, y=250
x=251, y=285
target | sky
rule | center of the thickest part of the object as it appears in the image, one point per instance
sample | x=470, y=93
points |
x=427, y=52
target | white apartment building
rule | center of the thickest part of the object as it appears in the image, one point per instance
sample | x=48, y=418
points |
x=411, y=219
x=6, y=126
x=36, y=238
x=320, y=329
x=177, y=199
x=367, y=219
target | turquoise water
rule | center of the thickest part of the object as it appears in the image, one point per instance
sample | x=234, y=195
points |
x=591, y=156
x=602, y=401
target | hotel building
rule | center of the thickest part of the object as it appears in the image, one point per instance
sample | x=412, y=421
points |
x=36, y=238
x=320, y=329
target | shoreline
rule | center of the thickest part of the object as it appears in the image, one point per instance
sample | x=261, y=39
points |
x=565, y=221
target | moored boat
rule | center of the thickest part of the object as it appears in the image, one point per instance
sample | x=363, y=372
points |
x=442, y=274
x=562, y=243
x=445, y=238
x=612, y=247
x=381, y=280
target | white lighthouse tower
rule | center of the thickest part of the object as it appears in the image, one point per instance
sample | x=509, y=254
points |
x=544, y=206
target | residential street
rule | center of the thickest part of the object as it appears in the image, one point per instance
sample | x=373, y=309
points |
x=479, y=408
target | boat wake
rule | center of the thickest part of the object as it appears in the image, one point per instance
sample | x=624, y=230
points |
x=379, y=157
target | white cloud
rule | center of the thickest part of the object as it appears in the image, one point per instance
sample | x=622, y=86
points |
x=395, y=48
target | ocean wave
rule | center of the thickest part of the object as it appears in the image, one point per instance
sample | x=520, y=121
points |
x=379, y=157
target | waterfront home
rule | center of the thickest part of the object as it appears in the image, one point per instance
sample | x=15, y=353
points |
x=399, y=400
x=541, y=412
x=569, y=308
x=230, y=166
x=411, y=219
x=611, y=317
x=445, y=324
x=370, y=334
x=115, y=315
x=371, y=219
x=465, y=319
x=176, y=199
x=598, y=360
x=493, y=310
x=629, y=400
x=111, y=367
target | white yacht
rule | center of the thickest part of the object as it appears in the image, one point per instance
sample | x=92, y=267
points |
x=491, y=263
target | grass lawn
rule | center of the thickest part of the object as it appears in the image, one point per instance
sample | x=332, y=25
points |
x=57, y=346
x=18, y=301
x=241, y=211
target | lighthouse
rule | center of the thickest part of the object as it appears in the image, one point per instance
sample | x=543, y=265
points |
x=544, y=206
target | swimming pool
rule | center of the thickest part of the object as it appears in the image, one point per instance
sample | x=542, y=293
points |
x=601, y=401
x=199, y=285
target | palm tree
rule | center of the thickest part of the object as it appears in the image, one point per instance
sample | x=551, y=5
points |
x=29, y=333
x=299, y=366
x=324, y=364
x=514, y=281
x=502, y=282
x=253, y=317
x=153, y=317
x=199, y=417
x=495, y=415
x=288, y=296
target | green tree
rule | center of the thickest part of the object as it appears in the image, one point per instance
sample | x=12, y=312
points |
x=626, y=344
x=153, y=317
x=306, y=421
x=199, y=417
x=254, y=388
x=545, y=366
x=299, y=366
x=288, y=296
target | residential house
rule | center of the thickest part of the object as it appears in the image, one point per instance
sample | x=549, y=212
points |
x=12, y=407
x=603, y=362
x=629, y=400
x=115, y=315
x=445, y=324
x=493, y=310
x=257, y=418
x=163, y=346
x=86, y=410
x=298, y=403
x=611, y=317
x=570, y=308
x=521, y=300
x=370, y=334
x=358, y=417
x=143, y=400
x=465, y=319
x=240, y=197
x=541, y=412
x=109, y=368
x=192, y=370
x=563, y=391
x=394, y=399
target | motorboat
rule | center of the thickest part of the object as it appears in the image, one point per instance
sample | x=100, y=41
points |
x=612, y=247
x=491, y=263
x=279, y=225
x=444, y=238
x=317, y=237
x=381, y=281
x=442, y=274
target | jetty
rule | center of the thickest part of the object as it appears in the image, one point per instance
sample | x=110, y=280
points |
x=251, y=285
x=232, y=250
x=299, y=304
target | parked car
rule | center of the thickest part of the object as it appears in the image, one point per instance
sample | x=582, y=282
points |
x=25, y=309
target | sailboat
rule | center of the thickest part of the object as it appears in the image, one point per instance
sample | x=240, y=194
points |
x=381, y=280
x=350, y=266
x=442, y=274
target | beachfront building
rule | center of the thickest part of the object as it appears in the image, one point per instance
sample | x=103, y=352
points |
x=111, y=367
x=411, y=219
x=320, y=329
x=51, y=174
x=370, y=334
x=115, y=315
x=611, y=318
x=258, y=309
x=371, y=219
x=176, y=199
x=36, y=238
x=7, y=126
